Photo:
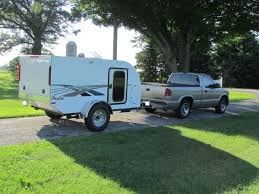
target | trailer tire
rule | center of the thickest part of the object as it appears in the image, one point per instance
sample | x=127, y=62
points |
x=150, y=110
x=98, y=117
x=53, y=115
x=184, y=108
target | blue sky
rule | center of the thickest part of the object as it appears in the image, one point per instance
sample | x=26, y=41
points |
x=91, y=39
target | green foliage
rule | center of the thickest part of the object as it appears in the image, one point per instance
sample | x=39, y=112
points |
x=3, y=68
x=202, y=59
x=170, y=23
x=32, y=24
x=211, y=156
x=13, y=67
x=151, y=63
x=235, y=58
x=239, y=59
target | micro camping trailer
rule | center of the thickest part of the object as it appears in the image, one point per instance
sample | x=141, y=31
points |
x=85, y=88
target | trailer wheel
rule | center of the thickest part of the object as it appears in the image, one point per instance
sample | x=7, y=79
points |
x=52, y=115
x=184, y=109
x=150, y=110
x=98, y=118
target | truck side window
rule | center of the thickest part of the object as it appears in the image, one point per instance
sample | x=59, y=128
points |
x=208, y=80
x=184, y=80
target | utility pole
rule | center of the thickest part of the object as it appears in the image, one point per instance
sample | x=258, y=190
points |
x=115, y=39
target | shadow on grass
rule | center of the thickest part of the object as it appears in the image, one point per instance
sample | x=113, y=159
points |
x=245, y=125
x=68, y=128
x=159, y=160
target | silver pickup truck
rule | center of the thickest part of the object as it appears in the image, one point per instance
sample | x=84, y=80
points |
x=184, y=91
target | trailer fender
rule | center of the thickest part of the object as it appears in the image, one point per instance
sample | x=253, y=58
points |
x=87, y=107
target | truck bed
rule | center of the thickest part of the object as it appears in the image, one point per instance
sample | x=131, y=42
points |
x=153, y=90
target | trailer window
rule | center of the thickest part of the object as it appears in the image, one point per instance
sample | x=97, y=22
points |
x=118, y=86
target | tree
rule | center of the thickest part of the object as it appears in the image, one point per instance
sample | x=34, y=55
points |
x=13, y=67
x=236, y=59
x=32, y=23
x=147, y=63
x=3, y=67
x=239, y=60
x=151, y=62
x=170, y=23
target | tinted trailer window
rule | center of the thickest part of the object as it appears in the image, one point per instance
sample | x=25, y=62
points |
x=119, y=86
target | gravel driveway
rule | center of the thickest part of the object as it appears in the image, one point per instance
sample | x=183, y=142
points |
x=21, y=130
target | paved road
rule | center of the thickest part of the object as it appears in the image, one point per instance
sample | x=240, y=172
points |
x=21, y=130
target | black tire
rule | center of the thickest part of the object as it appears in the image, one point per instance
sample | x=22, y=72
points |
x=98, y=118
x=222, y=106
x=184, y=109
x=52, y=115
x=150, y=110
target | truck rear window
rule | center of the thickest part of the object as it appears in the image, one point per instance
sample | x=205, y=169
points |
x=184, y=80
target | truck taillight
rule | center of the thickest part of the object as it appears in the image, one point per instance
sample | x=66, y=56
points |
x=168, y=92
x=19, y=72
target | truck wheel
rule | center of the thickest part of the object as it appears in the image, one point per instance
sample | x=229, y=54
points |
x=52, y=115
x=150, y=110
x=184, y=109
x=98, y=118
x=222, y=106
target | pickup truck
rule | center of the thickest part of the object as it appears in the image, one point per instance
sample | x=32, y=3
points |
x=184, y=91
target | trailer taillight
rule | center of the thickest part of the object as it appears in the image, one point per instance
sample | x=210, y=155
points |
x=168, y=92
x=49, y=75
x=19, y=72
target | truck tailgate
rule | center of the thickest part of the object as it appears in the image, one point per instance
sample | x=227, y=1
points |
x=153, y=90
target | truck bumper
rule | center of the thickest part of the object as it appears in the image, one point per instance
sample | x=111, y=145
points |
x=159, y=104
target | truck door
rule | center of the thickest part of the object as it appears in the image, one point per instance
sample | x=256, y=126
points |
x=118, y=82
x=210, y=96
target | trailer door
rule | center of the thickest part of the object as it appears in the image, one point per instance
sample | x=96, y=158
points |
x=34, y=73
x=118, y=82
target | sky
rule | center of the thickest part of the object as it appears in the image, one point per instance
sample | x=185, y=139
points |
x=92, y=39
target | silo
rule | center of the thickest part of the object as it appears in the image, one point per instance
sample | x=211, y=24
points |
x=71, y=49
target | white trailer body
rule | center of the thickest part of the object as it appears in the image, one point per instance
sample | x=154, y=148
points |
x=67, y=86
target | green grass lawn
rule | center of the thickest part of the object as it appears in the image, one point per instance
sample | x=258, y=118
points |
x=10, y=104
x=235, y=95
x=212, y=156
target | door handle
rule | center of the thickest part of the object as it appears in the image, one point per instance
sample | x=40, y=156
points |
x=110, y=86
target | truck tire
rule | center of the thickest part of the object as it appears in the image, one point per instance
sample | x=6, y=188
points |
x=98, y=118
x=222, y=106
x=52, y=115
x=184, y=109
x=150, y=110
